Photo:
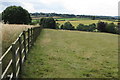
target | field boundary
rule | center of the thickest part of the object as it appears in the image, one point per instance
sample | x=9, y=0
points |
x=18, y=50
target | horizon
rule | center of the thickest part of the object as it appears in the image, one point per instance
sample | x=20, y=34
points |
x=76, y=7
x=74, y=14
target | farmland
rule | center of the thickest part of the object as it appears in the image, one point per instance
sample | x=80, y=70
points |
x=72, y=54
x=77, y=21
x=86, y=22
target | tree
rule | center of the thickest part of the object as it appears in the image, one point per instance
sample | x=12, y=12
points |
x=111, y=28
x=101, y=26
x=92, y=27
x=48, y=23
x=80, y=27
x=16, y=15
x=68, y=26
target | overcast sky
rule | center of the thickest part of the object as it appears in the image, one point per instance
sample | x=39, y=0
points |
x=79, y=7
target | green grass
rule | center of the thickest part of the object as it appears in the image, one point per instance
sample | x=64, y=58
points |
x=72, y=54
x=72, y=19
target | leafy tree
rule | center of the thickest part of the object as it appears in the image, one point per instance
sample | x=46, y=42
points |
x=80, y=27
x=68, y=26
x=101, y=26
x=16, y=15
x=92, y=27
x=111, y=28
x=117, y=29
x=48, y=23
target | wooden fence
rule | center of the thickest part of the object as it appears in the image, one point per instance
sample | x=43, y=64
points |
x=13, y=59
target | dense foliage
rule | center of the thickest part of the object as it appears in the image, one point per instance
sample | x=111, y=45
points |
x=101, y=26
x=67, y=26
x=16, y=15
x=111, y=28
x=82, y=27
x=107, y=27
x=48, y=23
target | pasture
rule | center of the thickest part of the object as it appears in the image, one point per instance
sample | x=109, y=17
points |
x=73, y=54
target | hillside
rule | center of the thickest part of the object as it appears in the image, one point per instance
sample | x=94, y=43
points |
x=72, y=54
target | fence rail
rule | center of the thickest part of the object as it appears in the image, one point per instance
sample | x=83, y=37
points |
x=13, y=59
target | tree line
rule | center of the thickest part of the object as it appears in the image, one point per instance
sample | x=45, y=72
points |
x=99, y=27
x=93, y=17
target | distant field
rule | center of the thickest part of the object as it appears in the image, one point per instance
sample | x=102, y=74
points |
x=86, y=22
x=73, y=54
x=76, y=21
x=72, y=19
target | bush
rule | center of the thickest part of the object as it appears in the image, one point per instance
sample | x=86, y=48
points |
x=16, y=15
x=101, y=26
x=68, y=26
x=92, y=27
x=48, y=23
x=111, y=28
x=82, y=27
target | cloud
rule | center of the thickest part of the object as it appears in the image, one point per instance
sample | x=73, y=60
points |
x=28, y=6
x=90, y=7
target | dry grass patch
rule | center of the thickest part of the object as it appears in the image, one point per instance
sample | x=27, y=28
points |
x=10, y=32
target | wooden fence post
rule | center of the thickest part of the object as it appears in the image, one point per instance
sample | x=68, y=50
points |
x=28, y=40
x=0, y=69
x=24, y=43
x=31, y=36
x=20, y=54
x=14, y=61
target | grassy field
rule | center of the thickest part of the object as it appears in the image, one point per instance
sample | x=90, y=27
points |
x=72, y=19
x=10, y=32
x=73, y=54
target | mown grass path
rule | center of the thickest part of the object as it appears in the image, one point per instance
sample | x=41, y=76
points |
x=72, y=54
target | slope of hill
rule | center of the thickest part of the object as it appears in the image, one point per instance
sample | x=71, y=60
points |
x=73, y=54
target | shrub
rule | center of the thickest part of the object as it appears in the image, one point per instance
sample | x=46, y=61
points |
x=92, y=27
x=68, y=26
x=82, y=27
x=111, y=28
x=16, y=15
x=101, y=26
x=48, y=23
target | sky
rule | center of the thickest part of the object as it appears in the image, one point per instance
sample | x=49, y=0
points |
x=77, y=7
